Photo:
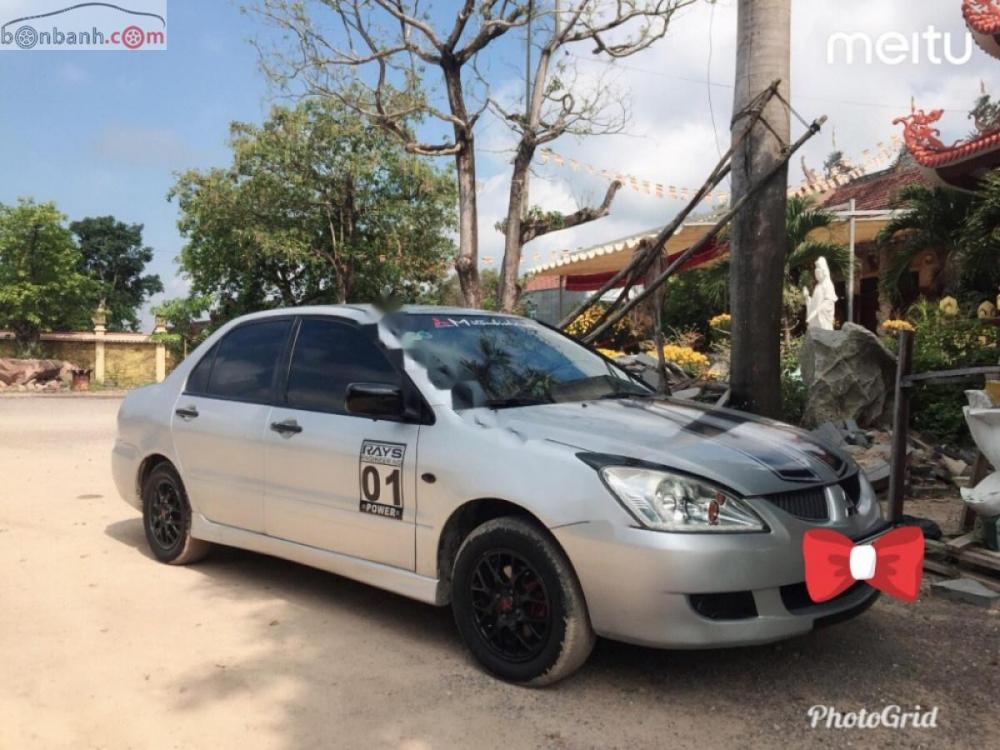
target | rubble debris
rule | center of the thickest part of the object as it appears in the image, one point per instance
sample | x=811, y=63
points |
x=828, y=434
x=965, y=590
x=929, y=528
x=849, y=374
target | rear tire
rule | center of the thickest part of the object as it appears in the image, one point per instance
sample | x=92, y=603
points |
x=166, y=518
x=518, y=604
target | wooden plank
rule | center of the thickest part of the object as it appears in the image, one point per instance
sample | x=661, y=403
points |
x=940, y=568
x=960, y=543
x=958, y=562
x=900, y=427
x=980, y=556
x=945, y=376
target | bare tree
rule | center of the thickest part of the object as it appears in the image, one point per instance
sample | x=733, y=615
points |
x=377, y=56
x=759, y=237
x=557, y=104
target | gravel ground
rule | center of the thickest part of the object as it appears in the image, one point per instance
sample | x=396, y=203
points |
x=103, y=647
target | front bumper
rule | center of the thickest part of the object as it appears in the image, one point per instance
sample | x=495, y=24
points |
x=705, y=590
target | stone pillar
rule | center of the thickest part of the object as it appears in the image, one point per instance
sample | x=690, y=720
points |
x=100, y=328
x=161, y=349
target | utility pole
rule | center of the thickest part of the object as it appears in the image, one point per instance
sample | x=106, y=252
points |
x=525, y=203
x=850, y=268
x=759, y=235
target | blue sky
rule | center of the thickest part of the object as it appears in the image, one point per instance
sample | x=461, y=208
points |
x=103, y=132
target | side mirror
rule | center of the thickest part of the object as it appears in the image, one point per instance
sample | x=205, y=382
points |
x=374, y=400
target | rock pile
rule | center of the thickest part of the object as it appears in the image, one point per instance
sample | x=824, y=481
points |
x=933, y=469
x=35, y=374
x=849, y=375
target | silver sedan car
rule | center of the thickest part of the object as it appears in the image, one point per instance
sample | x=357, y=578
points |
x=489, y=463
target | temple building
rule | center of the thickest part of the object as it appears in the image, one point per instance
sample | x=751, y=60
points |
x=863, y=206
x=555, y=288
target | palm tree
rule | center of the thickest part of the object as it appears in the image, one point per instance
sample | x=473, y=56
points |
x=978, y=256
x=802, y=218
x=934, y=218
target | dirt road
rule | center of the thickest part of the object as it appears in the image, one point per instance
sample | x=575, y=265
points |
x=102, y=647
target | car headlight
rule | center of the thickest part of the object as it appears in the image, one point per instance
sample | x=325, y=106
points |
x=867, y=496
x=672, y=502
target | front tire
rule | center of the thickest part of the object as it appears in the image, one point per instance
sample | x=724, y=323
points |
x=518, y=604
x=166, y=518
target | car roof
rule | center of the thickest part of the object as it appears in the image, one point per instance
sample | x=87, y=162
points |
x=367, y=312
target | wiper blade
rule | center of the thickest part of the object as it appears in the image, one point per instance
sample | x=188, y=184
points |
x=625, y=394
x=504, y=403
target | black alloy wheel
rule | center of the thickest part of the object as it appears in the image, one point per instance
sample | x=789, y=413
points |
x=518, y=604
x=512, y=610
x=166, y=518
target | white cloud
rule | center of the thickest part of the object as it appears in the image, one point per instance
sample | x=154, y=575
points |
x=136, y=146
x=670, y=138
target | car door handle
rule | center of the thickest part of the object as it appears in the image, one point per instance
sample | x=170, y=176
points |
x=186, y=413
x=287, y=428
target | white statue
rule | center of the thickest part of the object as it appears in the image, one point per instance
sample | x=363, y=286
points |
x=821, y=304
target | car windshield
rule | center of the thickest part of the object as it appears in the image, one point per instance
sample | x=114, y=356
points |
x=500, y=362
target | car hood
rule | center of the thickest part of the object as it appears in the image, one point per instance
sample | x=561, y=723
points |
x=746, y=454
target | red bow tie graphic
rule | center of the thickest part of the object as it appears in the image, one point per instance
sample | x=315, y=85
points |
x=893, y=563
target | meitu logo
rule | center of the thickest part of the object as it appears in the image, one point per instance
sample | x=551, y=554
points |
x=895, y=48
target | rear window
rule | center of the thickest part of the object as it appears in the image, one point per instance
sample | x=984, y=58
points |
x=246, y=361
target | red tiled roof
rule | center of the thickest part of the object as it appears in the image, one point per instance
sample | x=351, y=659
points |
x=982, y=16
x=874, y=192
x=922, y=140
x=542, y=283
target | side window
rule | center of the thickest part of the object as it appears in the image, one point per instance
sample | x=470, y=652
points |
x=328, y=357
x=246, y=360
x=197, y=381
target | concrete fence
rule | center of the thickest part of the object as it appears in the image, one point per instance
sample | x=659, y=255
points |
x=120, y=359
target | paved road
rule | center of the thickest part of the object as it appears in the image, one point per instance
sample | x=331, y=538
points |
x=102, y=647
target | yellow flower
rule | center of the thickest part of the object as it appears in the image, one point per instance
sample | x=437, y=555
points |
x=585, y=322
x=949, y=306
x=724, y=319
x=686, y=357
x=897, y=325
x=611, y=353
x=987, y=310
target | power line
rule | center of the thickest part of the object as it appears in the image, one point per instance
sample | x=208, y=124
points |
x=706, y=82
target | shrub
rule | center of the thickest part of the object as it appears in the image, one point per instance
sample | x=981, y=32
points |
x=793, y=390
x=944, y=339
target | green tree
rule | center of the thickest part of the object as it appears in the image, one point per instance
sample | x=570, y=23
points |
x=181, y=317
x=317, y=207
x=978, y=254
x=112, y=254
x=802, y=218
x=41, y=286
x=449, y=291
x=931, y=218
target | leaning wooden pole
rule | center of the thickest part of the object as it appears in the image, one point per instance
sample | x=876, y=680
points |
x=709, y=237
x=900, y=426
x=643, y=259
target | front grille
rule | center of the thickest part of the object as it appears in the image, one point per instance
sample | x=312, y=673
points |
x=807, y=504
